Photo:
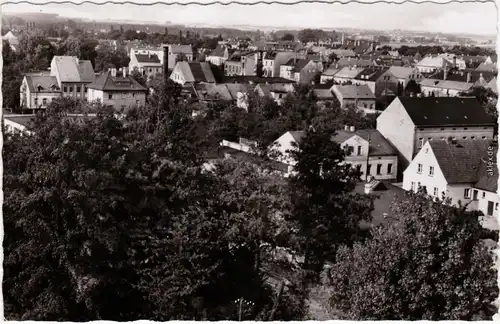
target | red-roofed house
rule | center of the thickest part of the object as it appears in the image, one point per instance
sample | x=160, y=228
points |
x=118, y=91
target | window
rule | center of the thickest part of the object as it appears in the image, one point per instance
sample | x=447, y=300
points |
x=419, y=168
x=418, y=185
x=429, y=138
x=85, y=89
x=110, y=96
x=436, y=191
x=379, y=168
x=465, y=137
x=453, y=128
x=420, y=142
x=484, y=137
x=412, y=186
x=78, y=89
x=65, y=89
x=389, y=168
x=368, y=169
x=484, y=195
x=465, y=128
x=359, y=149
x=496, y=206
x=70, y=89
x=44, y=101
x=36, y=102
x=431, y=171
x=442, y=128
x=474, y=195
x=467, y=193
x=473, y=137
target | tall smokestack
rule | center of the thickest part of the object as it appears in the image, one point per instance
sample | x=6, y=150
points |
x=165, y=61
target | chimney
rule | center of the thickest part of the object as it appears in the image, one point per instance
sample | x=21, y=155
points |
x=113, y=72
x=352, y=129
x=165, y=61
x=468, y=77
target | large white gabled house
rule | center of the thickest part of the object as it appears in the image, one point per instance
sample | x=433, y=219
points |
x=463, y=170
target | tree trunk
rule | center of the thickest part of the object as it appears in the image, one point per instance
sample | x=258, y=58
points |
x=276, y=302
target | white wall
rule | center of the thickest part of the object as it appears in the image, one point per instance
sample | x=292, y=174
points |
x=427, y=158
x=396, y=126
x=282, y=145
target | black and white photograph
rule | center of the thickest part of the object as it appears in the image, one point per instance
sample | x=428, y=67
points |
x=249, y=160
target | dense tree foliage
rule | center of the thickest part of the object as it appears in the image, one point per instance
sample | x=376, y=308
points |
x=431, y=264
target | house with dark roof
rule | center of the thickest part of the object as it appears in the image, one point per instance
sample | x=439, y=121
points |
x=369, y=151
x=117, y=90
x=359, y=96
x=276, y=91
x=178, y=52
x=300, y=70
x=218, y=56
x=242, y=63
x=450, y=83
x=38, y=90
x=73, y=75
x=379, y=79
x=192, y=72
x=463, y=170
x=329, y=74
x=409, y=122
x=146, y=62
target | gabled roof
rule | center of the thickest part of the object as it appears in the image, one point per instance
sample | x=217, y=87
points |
x=298, y=136
x=178, y=49
x=371, y=74
x=147, y=58
x=210, y=91
x=234, y=88
x=460, y=161
x=332, y=70
x=300, y=64
x=344, y=53
x=105, y=82
x=446, y=84
x=218, y=51
x=196, y=72
x=323, y=94
x=434, y=62
x=401, y=72
x=354, y=62
x=354, y=91
x=486, y=67
x=71, y=69
x=379, y=145
x=42, y=82
x=348, y=72
x=446, y=111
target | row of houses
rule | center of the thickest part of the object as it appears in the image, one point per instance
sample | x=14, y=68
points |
x=74, y=78
x=445, y=145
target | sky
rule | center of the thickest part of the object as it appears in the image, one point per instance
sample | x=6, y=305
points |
x=473, y=18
